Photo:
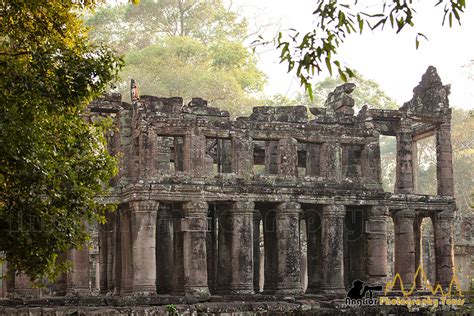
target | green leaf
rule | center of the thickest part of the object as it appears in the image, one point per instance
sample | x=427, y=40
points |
x=328, y=64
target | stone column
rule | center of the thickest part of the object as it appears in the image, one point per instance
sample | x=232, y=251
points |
x=271, y=157
x=117, y=262
x=444, y=166
x=103, y=257
x=224, y=277
x=288, y=248
x=194, y=151
x=164, y=249
x=22, y=286
x=236, y=249
x=271, y=255
x=332, y=227
x=331, y=160
x=287, y=157
x=404, y=167
x=242, y=248
x=376, y=267
x=212, y=250
x=177, y=286
x=257, y=217
x=418, y=241
x=126, y=251
x=194, y=227
x=242, y=151
x=444, y=248
x=110, y=252
x=78, y=277
x=143, y=237
x=371, y=165
x=314, y=246
x=404, y=246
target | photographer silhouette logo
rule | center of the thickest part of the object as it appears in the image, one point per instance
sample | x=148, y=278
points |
x=357, y=294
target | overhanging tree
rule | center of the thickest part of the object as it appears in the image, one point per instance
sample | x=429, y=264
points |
x=52, y=164
x=309, y=53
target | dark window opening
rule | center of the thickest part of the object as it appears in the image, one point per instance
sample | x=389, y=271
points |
x=258, y=157
x=302, y=171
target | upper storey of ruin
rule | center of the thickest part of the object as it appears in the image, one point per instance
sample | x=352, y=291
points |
x=330, y=149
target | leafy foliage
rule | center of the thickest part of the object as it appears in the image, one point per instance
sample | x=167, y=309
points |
x=187, y=48
x=223, y=73
x=310, y=53
x=128, y=27
x=52, y=163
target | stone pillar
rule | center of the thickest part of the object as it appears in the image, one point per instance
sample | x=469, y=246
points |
x=224, y=277
x=404, y=167
x=78, y=277
x=404, y=246
x=257, y=217
x=164, y=249
x=371, y=165
x=212, y=250
x=288, y=248
x=59, y=287
x=418, y=242
x=194, y=151
x=143, y=237
x=110, y=251
x=23, y=287
x=242, y=151
x=271, y=255
x=126, y=251
x=193, y=228
x=242, y=248
x=376, y=267
x=331, y=160
x=444, y=247
x=117, y=262
x=103, y=257
x=236, y=251
x=332, y=281
x=287, y=157
x=314, y=246
x=444, y=166
x=177, y=287
x=271, y=157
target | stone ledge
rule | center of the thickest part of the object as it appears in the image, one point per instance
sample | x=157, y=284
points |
x=217, y=305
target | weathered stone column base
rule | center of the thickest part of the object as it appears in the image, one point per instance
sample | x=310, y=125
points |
x=240, y=289
x=199, y=291
x=335, y=291
x=144, y=290
x=290, y=288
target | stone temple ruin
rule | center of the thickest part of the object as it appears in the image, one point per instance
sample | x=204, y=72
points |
x=196, y=189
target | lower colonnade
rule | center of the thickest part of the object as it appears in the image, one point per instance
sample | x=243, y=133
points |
x=149, y=247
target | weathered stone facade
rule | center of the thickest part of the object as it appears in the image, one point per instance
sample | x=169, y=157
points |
x=194, y=187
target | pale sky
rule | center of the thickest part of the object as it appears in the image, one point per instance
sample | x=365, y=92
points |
x=389, y=59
